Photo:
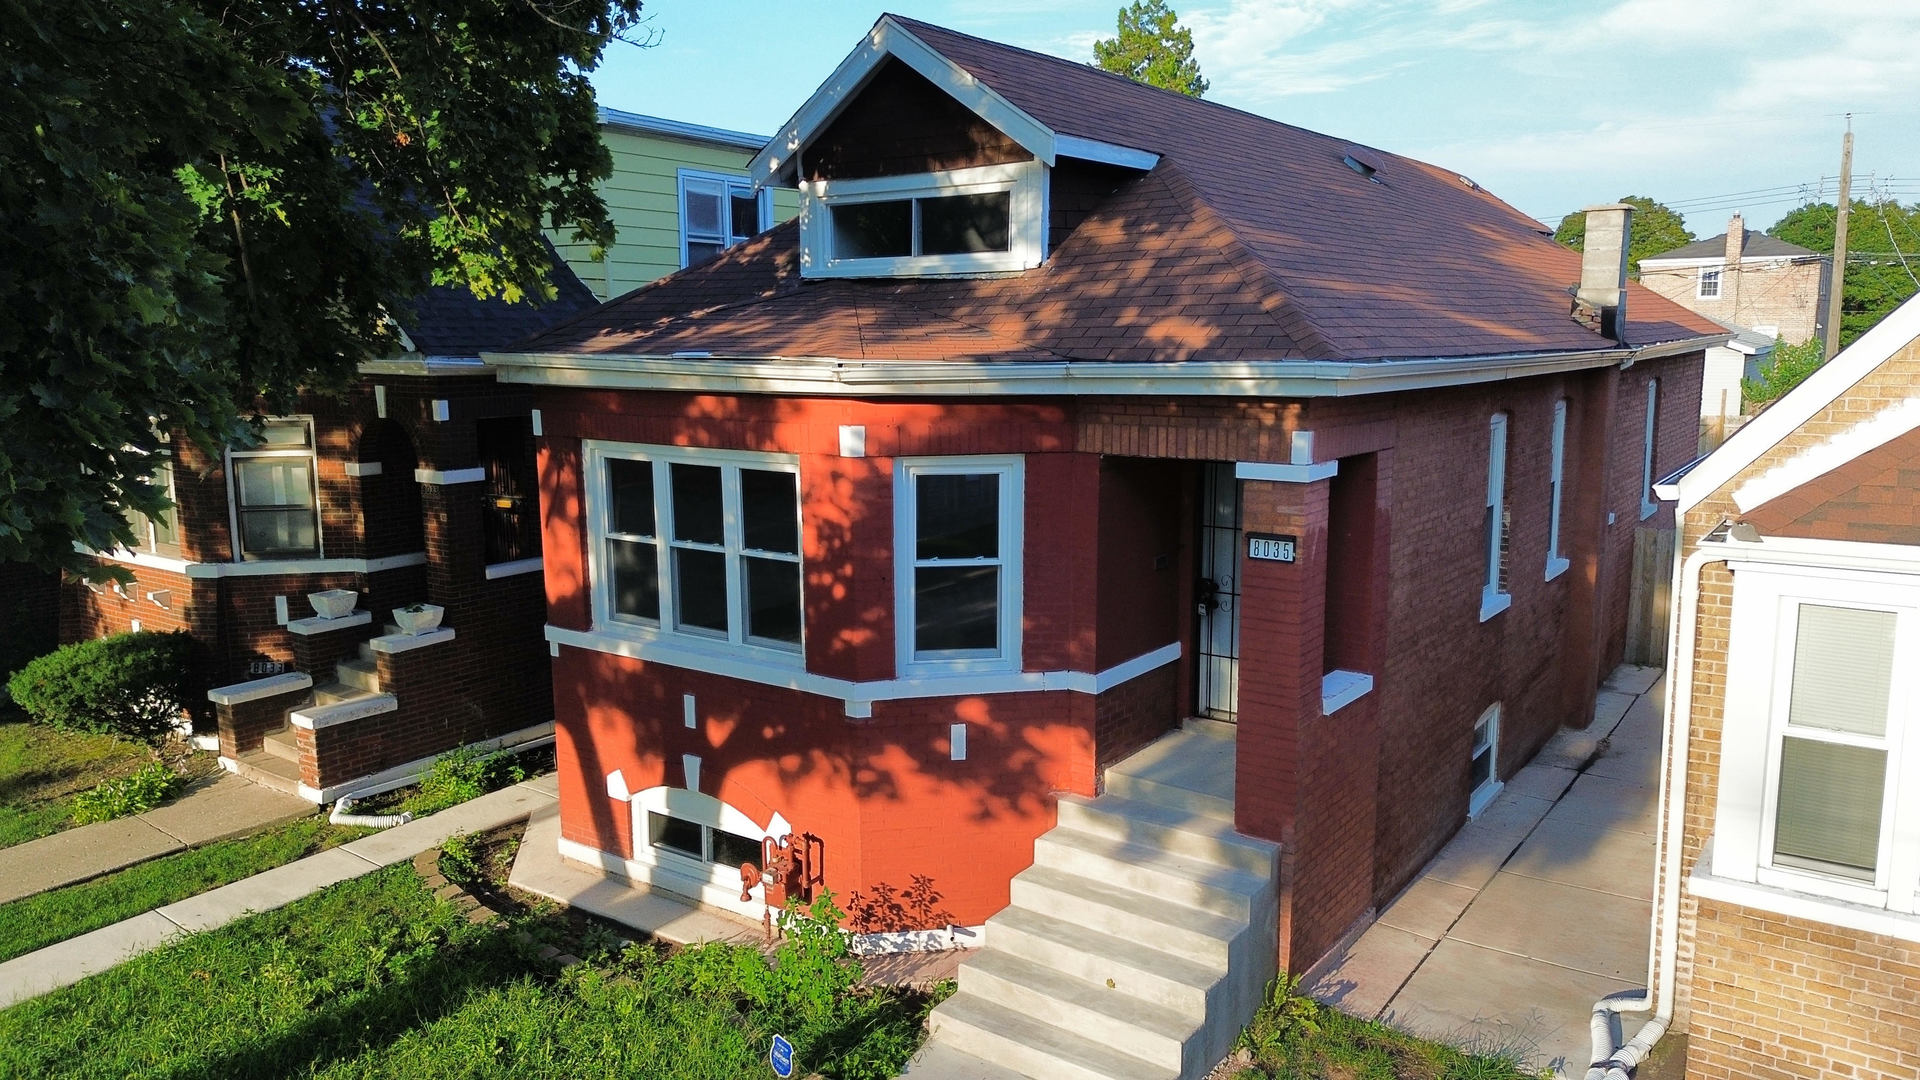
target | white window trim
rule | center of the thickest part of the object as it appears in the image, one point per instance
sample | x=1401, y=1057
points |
x=735, y=642
x=1026, y=225
x=1483, y=795
x=1749, y=764
x=763, y=197
x=1700, y=283
x=1012, y=472
x=1648, y=503
x=1556, y=483
x=1493, y=599
x=312, y=453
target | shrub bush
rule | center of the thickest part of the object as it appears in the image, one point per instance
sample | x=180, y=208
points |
x=154, y=784
x=132, y=685
x=463, y=774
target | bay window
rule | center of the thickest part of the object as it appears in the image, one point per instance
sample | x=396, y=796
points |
x=276, y=507
x=957, y=559
x=700, y=544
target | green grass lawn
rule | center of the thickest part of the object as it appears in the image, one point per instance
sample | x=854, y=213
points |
x=41, y=769
x=35, y=922
x=1294, y=1037
x=376, y=977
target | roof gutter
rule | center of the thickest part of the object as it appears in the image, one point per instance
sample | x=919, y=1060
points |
x=957, y=378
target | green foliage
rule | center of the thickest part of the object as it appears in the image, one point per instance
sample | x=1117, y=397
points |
x=1789, y=367
x=376, y=978
x=132, y=685
x=1296, y=1037
x=462, y=774
x=1150, y=46
x=1883, y=245
x=41, y=769
x=460, y=858
x=155, y=783
x=206, y=207
x=1655, y=229
x=43, y=919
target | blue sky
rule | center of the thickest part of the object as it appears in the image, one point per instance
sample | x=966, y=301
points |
x=1709, y=105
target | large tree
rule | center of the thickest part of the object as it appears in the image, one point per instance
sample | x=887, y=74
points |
x=204, y=205
x=1883, y=256
x=1655, y=229
x=1152, y=47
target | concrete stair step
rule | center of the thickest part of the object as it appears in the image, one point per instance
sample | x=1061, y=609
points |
x=1170, y=829
x=1146, y=789
x=1196, y=883
x=268, y=771
x=1182, y=769
x=361, y=674
x=1161, y=978
x=1110, y=1017
x=1213, y=729
x=281, y=744
x=938, y=1061
x=335, y=692
x=1122, y=912
x=366, y=652
x=1005, y=1037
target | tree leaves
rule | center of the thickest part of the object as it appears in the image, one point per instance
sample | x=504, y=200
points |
x=1655, y=229
x=1152, y=47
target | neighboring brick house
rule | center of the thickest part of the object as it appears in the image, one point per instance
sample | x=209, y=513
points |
x=886, y=532
x=1787, y=908
x=1748, y=281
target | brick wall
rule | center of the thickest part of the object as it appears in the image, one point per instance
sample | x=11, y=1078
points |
x=245, y=724
x=1761, y=292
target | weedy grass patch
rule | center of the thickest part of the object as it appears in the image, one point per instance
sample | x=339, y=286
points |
x=1294, y=1037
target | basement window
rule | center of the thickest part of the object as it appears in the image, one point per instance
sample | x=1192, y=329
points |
x=703, y=842
x=963, y=221
x=1483, y=771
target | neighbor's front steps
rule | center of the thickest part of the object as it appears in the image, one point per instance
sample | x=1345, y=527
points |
x=1138, y=943
x=356, y=682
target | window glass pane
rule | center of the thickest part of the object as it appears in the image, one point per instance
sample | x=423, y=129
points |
x=285, y=435
x=700, y=589
x=630, y=496
x=699, y=252
x=265, y=532
x=746, y=214
x=674, y=835
x=1842, y=668
x=770, y=507
x=1829, y=810
x=636, y=578
x=732, y=850
x=957, y=224
x=275, y=481
x=704, y=209
x=872, y=230
x=1481, y=770
x=773, y=600
x=696, y=504
x=958, y=516
x=956, y=607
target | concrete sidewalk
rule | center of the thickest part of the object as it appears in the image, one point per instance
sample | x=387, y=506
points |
x=1537, y=908
x=219, y=807
x=72, y=960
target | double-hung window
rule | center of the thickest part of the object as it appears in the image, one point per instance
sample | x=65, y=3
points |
x=1817, y=748
x=698, y=544
x=1648, y=500
x=155, y=533
x=276, y=507
x=718, y=211
x=1494, y=597
x=1556, y=483
x=1709, y=285
x=1483, y=764
x=957, y=563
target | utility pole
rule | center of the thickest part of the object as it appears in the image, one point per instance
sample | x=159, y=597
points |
x=1837, y=276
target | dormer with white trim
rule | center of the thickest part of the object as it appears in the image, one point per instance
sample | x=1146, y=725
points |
x=909, y=166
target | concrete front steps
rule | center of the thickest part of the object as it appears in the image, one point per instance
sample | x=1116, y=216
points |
x=356, y=687
x=1136, y=946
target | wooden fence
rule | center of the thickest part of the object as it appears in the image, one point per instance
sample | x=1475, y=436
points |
x=1650, y=604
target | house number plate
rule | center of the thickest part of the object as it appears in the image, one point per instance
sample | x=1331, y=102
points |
x=1271, y=547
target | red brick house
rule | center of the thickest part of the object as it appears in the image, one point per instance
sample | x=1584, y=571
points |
x=417, y=486
x=1168, y=521
x=1786, y=927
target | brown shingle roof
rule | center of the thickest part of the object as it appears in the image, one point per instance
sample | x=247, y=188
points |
x=1250, y=240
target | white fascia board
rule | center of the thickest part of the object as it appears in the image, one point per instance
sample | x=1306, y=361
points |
x=425, y=365
x=1105, y=153
x=1820, y=389
x=1822, y=458
x=889, y=38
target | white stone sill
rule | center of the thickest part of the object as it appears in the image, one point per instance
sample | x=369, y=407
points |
x=1341, y=688
x=318, y=625
x=272, y=686
x=399, y=643
x=1493, y=603
x=1800, y=905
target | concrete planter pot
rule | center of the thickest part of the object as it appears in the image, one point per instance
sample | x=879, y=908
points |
x=333, y=603
x=418, y=619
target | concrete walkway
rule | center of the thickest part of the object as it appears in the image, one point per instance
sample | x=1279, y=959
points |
x=216, y=808
x=1537, y=908
x=72, y=960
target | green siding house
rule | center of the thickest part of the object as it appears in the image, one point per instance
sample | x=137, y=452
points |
x=679, y=194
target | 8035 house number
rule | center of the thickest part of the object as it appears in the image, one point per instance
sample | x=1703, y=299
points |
x=1272, y=547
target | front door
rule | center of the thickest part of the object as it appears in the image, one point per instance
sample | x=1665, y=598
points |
x=1218, y=593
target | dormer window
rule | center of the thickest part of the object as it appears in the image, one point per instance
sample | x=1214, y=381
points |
x=989, y=219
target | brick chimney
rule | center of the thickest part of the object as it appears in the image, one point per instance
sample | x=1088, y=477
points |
x=1736, y=239
x=1600, y=300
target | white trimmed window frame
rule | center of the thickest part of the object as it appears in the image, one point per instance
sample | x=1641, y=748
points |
x=726, y=185
x=735, y=643
x=1707, y=284
x=1026, y=181
x=674, y=871
x=1494, y=599
x=1556, y=484
x=312, y=453
x=1486, y=740
x=1649, y=502
x=1011, y=469
x=1766, y=599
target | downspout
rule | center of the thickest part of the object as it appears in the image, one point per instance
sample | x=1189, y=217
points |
x=1611, y=1062
x=342, y=816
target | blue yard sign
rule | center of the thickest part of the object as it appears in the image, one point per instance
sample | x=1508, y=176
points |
x=780, y=1056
